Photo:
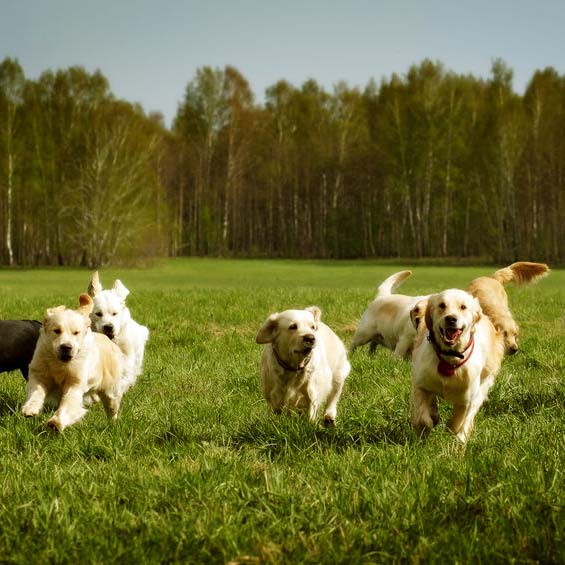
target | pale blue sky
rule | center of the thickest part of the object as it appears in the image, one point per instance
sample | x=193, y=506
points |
x=149, y=50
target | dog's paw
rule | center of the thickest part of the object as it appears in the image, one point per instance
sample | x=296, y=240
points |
x=29, y=412
x=55, y=424
x=329, y=422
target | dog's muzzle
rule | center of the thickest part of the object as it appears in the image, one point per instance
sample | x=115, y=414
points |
x=65, y=352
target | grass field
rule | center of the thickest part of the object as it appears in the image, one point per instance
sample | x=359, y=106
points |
x=196, y=469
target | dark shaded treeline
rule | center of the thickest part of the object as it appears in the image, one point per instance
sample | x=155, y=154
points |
x=428, y=164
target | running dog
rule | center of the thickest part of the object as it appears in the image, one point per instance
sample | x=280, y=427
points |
x=494, y=301
x=70, y=361
x=458, y=362
x=112, y=317
x=17, y=344
x=386, y=321
x=304, y=363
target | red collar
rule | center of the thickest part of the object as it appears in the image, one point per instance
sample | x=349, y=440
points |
x=447, y=369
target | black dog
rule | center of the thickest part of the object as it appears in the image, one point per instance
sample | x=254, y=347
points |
x=17, y=344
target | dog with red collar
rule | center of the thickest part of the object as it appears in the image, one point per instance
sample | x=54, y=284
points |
x=458, y=362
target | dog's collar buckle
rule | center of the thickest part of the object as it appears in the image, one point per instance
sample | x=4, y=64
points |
x=287, y=366
x=445, y=368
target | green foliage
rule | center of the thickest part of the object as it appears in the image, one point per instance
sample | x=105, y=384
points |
x=197, y=469
x=427, y=164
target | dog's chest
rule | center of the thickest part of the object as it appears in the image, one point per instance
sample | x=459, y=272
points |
x=455, y=389
x=294, y=387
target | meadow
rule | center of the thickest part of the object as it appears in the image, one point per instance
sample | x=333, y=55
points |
x=197, y=469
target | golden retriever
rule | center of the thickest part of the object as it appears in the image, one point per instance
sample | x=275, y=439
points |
x=458, y=362
x=304, y=363
x=386, y=321
x=71, y=361
x=494, y=301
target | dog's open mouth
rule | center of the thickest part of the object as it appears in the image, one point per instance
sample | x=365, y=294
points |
x=451, y=335
x=108, y=333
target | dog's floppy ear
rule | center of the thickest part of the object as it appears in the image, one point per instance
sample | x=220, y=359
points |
x=316, y=312
x=85, y=304
x=94, y=286
x=416, y=313
x=120, y=289
x=266, y=333
x=429, y=316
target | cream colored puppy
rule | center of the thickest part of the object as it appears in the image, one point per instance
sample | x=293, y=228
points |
x=458, y=362
x=304, y=364
x=386, y=321
x=71, y=361
x=112, y=317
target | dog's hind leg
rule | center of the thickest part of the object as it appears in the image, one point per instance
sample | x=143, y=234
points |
x=111, y=404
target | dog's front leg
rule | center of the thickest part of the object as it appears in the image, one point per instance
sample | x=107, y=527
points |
x=463, y=418
x=36, y=393
x=70, y=408
x=424, y=412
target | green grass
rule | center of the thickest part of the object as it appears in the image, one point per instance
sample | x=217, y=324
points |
x=196, y=469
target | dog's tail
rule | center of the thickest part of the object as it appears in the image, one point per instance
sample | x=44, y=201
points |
x=521, y=273
x=392, y=283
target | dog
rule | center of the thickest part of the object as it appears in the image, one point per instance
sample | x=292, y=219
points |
x=494, y=301
x=386, y=321
x=458, y=362
x=17, y=344
x=69, y=362
x=112, y=317
x=304, y=363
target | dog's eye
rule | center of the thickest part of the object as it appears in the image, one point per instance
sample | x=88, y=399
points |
x=293, y=327
x=57, y=331
x=505, y=334
x=99, y=314
x=76, y=332
x=463, y=307
x=114, y=313
x=442, y=305
x=313, y=327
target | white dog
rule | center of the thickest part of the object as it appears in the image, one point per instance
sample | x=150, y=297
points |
x=304, y=364
x=457, y=362
x=386, y=321
x=112, y=317
x=71, y=361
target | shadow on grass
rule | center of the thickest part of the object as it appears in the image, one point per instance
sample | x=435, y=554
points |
x=288, y=433
x=525, y=401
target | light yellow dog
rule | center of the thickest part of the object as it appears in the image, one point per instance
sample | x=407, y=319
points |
x=71, y=361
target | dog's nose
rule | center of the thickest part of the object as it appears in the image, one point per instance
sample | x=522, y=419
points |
x=512, y=351
x=310, y=339
x=65, y=348
x=108, y=328
x=451, y=320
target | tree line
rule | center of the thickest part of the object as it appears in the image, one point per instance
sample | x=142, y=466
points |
x=427, y=164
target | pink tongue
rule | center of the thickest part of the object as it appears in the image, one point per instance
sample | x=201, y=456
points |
x=452, y=334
